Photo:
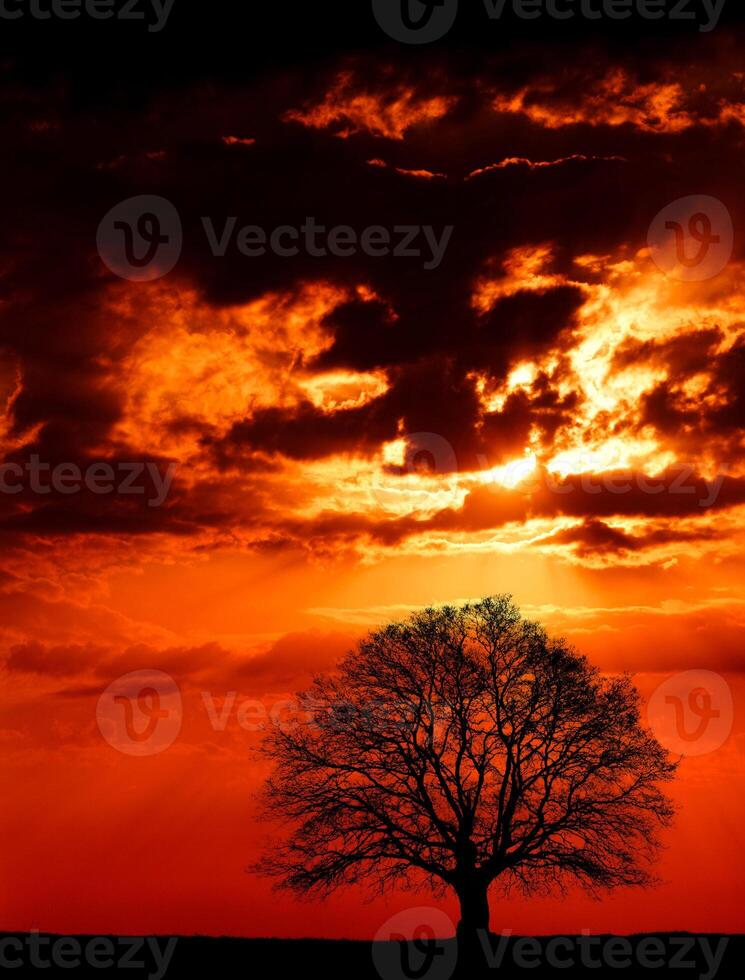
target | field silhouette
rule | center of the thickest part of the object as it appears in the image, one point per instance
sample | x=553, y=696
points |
x=364, y=960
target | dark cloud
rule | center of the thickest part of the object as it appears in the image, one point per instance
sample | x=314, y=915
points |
x=420, y=327
x=288, y=663
x=596, y=537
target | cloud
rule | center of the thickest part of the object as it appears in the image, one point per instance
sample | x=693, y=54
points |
x=285, y=391
x=350, y=108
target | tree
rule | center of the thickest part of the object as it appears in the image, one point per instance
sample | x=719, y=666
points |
x=461, y=748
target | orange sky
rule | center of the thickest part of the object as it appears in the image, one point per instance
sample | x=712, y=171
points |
x=351, y=442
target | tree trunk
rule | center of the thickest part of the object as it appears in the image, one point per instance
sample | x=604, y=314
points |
x=473, y=927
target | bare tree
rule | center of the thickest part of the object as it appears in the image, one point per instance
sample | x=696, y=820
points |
x=462, y=748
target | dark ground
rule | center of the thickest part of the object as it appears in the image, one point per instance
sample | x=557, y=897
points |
x=681, y=955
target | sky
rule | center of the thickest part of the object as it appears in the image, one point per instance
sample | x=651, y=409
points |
x=553, y=409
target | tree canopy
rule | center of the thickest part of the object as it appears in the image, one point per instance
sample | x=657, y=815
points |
x=462, y=748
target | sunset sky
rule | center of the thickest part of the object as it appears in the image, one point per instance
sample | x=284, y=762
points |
x=551, y=412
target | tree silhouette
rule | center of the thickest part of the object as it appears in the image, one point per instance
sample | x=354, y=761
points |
x=461, y=748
